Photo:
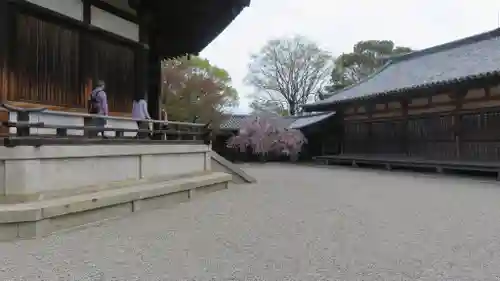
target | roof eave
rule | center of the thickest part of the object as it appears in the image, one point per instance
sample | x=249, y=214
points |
x=193, y=35
x=335, y=104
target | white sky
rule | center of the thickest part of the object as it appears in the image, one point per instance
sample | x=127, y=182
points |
x=336, y=25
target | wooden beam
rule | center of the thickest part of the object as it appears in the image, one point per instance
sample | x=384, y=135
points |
x=48, y=15
x=114, y=10
x=87, y=14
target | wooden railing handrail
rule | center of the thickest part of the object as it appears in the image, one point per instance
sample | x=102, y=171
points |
x=31, y=132
x=11, y=108
x=42, y=125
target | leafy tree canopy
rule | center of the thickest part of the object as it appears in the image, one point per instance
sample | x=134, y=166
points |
x=261, y=105
x=193, y=89
x=366, y=58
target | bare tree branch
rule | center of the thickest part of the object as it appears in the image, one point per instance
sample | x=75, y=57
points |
x=295, y=69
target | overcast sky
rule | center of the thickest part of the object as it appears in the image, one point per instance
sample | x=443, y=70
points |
x=336, y=25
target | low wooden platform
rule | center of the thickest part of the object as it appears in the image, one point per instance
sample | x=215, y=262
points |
x=407, y=162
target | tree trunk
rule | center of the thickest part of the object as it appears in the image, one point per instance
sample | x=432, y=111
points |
x=292, y=108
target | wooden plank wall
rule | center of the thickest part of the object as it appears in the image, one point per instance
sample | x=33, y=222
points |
x=46, y=64
x=460, y=125
x=114, y=64
x=53, y=64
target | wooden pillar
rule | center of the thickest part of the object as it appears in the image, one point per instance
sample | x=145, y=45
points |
x=148, y=60
x=405, y=140
x=458, y=98
x=8, y=29
x=154, y=85
x=370, y=108
x=141, y=63
x=85, y=71
x=341, y=130
x=4, y=47
x=154, y=82
x=4, y=55
x=141, y=55
x=84, y=53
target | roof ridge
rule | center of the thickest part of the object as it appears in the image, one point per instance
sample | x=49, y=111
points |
x=449, y=45
x=332, y=97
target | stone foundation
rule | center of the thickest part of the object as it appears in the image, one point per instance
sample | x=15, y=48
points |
x=54, y=187
x=36, y=173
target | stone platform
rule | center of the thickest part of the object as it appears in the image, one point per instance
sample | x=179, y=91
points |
x=54, y=187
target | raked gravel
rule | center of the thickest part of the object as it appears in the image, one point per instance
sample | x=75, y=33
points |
x=298, y=223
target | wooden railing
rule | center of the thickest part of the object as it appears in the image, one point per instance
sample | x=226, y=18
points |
x=22, y=131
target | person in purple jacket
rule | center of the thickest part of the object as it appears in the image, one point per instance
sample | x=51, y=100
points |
x=98, y=105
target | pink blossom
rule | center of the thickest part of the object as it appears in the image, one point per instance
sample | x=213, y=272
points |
x=264, y=135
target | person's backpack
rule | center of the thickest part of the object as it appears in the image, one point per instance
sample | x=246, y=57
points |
x=94, y=104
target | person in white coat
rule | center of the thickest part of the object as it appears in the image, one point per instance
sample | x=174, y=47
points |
x=141, y=115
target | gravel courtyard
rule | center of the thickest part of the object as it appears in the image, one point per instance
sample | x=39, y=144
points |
x=297, y=223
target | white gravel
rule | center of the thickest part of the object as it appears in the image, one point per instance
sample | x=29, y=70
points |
x=297, y=223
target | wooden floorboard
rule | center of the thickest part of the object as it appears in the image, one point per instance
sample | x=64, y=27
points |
x=397, y=161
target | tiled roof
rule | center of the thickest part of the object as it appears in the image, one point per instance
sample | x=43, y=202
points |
x=305, y=121
x=233, y=122
x=469, y=58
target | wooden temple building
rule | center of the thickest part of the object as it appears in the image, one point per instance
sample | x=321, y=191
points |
x=59, y=171
x=438, y=107
x=52, y=51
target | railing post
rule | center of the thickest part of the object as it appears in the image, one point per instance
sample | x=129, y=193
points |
x=178, y=132
x=195, y=132
x=119, y=133
x=88, y=122
x=23, y=117
x=163, y=127
x=61, y=132
x=207, y=134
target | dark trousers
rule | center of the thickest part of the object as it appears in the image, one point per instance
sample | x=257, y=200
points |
x=99, y=123
x=142, y=125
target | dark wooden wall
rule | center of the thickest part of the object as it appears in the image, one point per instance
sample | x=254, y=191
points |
x=459, y=125
x=53, y=61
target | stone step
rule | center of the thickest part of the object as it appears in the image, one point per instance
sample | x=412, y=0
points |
x=221, y=164
x=40, y=218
